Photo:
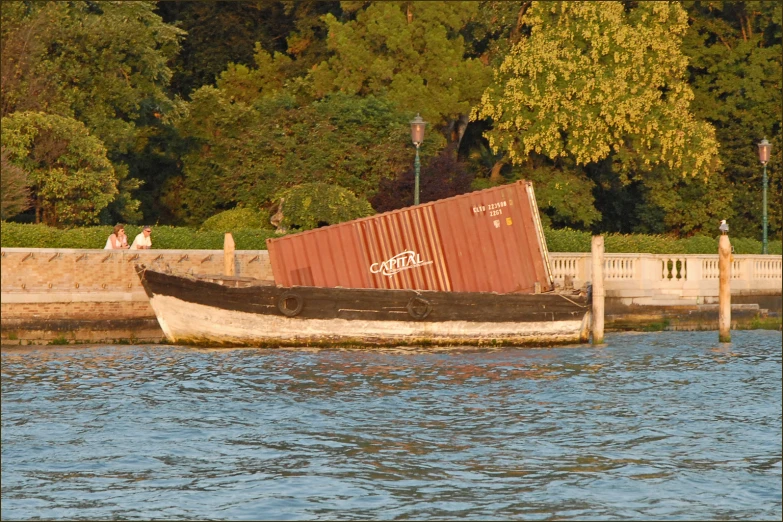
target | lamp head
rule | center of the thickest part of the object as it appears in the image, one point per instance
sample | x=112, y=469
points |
x=765, y=148
x=417, y=130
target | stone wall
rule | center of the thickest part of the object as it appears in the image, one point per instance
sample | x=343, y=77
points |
x=95, y=295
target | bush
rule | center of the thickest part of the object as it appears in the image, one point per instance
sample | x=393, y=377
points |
x=235, y=219
x=568, y=240
x=166, y=237
x=312, y=205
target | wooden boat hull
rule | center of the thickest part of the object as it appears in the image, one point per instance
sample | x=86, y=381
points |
x=234, y=312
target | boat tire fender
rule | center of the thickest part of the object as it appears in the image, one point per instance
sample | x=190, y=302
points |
x=283, y=301
x=419, y=308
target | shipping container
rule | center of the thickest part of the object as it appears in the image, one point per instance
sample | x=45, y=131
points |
x=486, y=241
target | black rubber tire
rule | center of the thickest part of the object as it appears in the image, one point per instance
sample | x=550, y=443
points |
x=284, y=298
x=419, y=308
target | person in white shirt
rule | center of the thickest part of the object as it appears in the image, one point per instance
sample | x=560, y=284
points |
x=143, y=240
x=117, y=239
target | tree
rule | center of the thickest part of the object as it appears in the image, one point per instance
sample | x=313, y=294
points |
x=220, y=33
x=102, y=63
x=313, y=205
x=592, y=80
x=246, y=153
x=735, y=68
x=563, y=194
x=497, y=27
x=409, y=52
x=598, y=80
x=71, y=178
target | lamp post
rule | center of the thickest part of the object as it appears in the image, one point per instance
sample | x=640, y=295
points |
x=765, y=148
x=417, y=137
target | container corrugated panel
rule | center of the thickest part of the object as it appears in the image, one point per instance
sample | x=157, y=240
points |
x=485, y=241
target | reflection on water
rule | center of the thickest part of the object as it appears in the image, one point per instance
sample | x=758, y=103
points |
x=651, y=426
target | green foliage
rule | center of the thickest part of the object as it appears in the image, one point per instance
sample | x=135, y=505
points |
x=495, y=29
x=221, y=33
x=163, y=237
x=569, y=240
x=736, y=64
x=629, y=83
x=687, y=205
x=72, y=179
x=761, y=323
x=14, y=188
x=41, y=236
x=564, y=195
x=245, y=154
x=411, y=52
x=104, y=64
x=592, y=79
x=593, y=102
x=235, y=219
x=312, y=205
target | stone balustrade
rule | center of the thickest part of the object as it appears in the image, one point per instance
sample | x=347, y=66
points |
x=662, y=279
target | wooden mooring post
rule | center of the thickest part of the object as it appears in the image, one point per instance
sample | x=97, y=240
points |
x=724, y=289
x=597, y=249
x=228, y=255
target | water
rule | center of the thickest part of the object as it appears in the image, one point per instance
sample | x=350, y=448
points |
x=662, y=426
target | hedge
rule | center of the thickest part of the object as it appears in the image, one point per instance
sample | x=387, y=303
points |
x=165, y=237
x=568, y=240
x=564, y=240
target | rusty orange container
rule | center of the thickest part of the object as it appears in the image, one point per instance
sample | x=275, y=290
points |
x=486, y=241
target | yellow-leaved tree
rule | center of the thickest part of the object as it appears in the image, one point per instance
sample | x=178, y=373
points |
x=601, y=81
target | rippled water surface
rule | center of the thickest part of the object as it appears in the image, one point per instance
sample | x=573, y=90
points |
x=651, y=426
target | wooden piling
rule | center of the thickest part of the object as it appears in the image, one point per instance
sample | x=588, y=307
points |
x=228, y=255
x=597, y=249
x=724, y=289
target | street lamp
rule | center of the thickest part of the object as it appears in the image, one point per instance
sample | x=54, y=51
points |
x=417, y=137
x=764, y=149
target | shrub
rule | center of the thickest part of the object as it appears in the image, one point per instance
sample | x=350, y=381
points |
x=235, y=219
x=166, y=237
x=163, y=237
x=311, y=205
x=569, y=240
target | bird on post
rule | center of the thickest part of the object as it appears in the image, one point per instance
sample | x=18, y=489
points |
x=724, y=228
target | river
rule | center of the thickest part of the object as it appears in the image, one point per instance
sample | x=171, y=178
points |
x=661, y=426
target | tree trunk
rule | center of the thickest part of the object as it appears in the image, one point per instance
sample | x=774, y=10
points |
x=462, y=125
x=517, y=29
x=494, y=175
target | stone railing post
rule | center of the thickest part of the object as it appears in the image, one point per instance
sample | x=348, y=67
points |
x=649, y=274
x=695, y=273
x=228, y=255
